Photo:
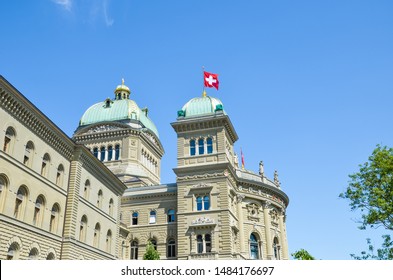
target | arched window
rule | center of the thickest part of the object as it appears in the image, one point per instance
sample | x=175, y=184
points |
x=171, y=249
x=201, y=146
x=199, y=243
x=134, y=250
x=254, y=247
x=154, y=243
x=54, y=218
x=135, y=218
x=50, y=256
x=206, y=202
x=152, y=219
x=102, y=153
x=111, y=207
x=13, y=251
x=86, y=190
x=108, y=241
x=20, y=202
x=95, y=152
x=192, y=147
x=29, y=152
x=60, y=175
x=45, y=165
x=3, y=191
x=208, y=243
x=83, y=229
x=110, y=152
x=96, y=239
x=209, y=147
x=9, y=140
x=99, y=199
x=38, y=211
x=171, y=216
x=33, y=254
x=276, y=248
x=117, y=152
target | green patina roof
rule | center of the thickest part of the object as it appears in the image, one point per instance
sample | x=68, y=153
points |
x=116, y=110
x=201, y=106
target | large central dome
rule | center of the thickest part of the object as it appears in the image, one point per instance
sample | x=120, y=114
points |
x=121, y=109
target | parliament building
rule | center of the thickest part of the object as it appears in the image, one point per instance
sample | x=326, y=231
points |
x=98, y=194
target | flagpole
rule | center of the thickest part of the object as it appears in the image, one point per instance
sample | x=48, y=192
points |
x=203, y=79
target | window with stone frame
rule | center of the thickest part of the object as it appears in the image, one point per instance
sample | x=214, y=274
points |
x=171, y=248
x=134, y=250
x=204, y=243
x=202, y=202
x=39, y=209
x=171, y=216
x=54, y=218
x=9, y=140
x=28, y=155
x=276, y=248
x=135, y=218
x=60, y=175
x=83, y=229
x=111, y=206
x=45, y=165
x=254, y=247
x=96, y=236
x=13, y=251
x=108, y=241
x=20, y=202
x=153, y=217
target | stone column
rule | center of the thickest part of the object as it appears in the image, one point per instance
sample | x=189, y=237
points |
x=269, y=244
x=241, y=223
x=193, y=243
x=284, y=246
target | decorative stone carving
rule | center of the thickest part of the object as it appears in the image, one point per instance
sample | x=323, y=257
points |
x=102, y=128
x=203, y=221
x=261, y=169
x=276, y=181
x=202, y=185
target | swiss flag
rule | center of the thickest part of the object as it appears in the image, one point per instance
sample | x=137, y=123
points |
x=210, y=80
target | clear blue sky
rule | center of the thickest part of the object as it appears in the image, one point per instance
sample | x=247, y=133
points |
x=307, y=84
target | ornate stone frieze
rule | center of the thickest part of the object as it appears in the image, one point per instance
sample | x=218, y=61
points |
x=201, y=176
x=202, y=185
x=202, y=221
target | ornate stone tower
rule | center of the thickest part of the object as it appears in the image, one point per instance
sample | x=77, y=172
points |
x=205, y=138
x=124, y=138
x=223, y=211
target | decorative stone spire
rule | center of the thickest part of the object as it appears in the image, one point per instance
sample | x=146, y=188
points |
x=261, y=169
x=276, y=181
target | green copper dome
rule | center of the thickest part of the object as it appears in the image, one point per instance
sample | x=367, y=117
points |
x=121, y=109
x=199, y=106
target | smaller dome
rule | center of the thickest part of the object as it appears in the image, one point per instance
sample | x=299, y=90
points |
x=122, y=87
x=199, y=106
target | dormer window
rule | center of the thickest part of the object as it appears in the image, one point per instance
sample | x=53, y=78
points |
x=107, y=103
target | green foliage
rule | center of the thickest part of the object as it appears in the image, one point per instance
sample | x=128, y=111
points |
x=151, y=253
x=385, y=253
x=371, y=189
x=302, y=255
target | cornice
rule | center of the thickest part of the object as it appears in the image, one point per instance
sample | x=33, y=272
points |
x=206, y=122
x=12, y=101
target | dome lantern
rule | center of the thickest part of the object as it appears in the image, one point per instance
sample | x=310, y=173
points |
x=122, y=91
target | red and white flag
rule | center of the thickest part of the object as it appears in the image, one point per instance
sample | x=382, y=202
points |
x=210, y=79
